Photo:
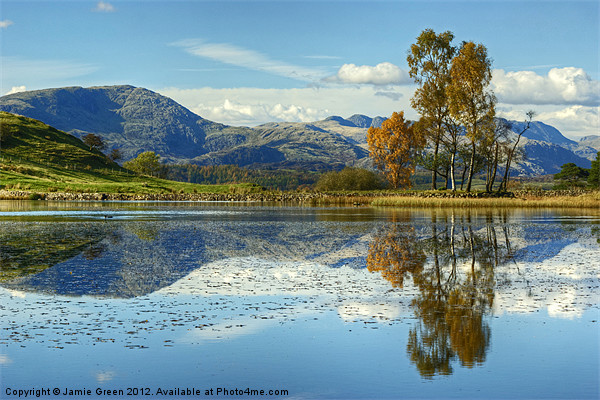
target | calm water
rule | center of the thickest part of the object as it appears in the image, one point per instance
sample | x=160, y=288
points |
x=174, y=300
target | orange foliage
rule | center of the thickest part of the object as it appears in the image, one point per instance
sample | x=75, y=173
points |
x=394, y=147
x=393, y=252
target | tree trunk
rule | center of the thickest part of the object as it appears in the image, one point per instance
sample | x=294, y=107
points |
x=493, y=178
x=471, y=168
x=435, y=162
x=503, y=184
x=452, y=180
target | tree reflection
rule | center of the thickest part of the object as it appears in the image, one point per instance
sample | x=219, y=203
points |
x=394, y=251
x=456, y=284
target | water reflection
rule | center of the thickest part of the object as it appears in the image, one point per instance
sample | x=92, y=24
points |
x=395, y=251
x=40, y=246
x=456, y=285
x=448, y=269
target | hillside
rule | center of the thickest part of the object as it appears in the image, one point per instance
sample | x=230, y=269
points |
x=128, y=118
x=38, y=157
x=545, y=158
x=30, y=146
x=136, y=120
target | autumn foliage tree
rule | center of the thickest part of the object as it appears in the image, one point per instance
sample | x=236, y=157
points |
x=471, y=102
x=457, y=112
x=429, y=61
x=394, y=148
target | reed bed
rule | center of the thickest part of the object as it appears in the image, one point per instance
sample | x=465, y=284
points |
x=588, y=200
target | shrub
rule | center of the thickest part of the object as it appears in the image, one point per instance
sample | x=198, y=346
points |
x=350, y=179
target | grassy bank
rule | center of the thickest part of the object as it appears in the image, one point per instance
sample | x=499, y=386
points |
x=37, y=158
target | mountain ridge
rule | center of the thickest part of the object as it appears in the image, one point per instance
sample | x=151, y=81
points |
x=135, y=119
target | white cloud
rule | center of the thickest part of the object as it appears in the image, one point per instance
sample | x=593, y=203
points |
x=249, y=114
x=390, y=94
x=565, y=86
x=573, y=121
x=254, y=106
x=104, y=7
x=16, y=89
x=5, y=24
x=250, y=59
x=382, y=74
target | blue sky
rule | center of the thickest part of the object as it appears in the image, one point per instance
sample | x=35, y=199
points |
x=249, y=62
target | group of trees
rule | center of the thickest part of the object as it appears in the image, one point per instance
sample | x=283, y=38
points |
x=276, y=179
x=457, y=119
x=147, y=163
x=95, y=142
x=571, y=175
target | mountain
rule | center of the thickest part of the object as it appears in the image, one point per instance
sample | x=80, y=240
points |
x=129, y=118
x=362, y=121
x=543, y=158
x=592, y=141
x=542, y=132
x=36, y=157
x=136, y=120
x=587, y=147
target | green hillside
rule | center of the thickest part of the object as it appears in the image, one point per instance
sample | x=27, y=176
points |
x=39, y=158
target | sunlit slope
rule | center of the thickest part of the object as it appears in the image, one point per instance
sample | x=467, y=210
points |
x=37, y=157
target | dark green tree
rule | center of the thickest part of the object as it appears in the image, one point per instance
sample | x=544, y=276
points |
x=571, y=175
x=594, y=176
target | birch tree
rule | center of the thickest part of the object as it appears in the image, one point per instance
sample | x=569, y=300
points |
x=429, y=60
x=470, y=100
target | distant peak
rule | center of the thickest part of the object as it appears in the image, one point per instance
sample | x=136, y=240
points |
x=341, y=121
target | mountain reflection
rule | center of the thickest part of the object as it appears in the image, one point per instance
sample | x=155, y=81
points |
x=456, y=284
x=30, y=251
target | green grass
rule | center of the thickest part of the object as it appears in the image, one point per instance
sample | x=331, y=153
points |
x=35, y=157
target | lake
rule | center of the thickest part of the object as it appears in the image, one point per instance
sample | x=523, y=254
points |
x=220, y=300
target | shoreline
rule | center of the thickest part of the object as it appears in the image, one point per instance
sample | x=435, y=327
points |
x=537, y=198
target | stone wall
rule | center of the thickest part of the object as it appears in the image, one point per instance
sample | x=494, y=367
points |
x=292, y=197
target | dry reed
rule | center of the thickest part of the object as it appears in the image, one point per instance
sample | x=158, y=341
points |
x=588, y=200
